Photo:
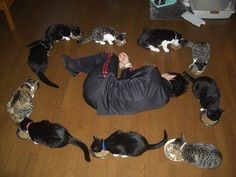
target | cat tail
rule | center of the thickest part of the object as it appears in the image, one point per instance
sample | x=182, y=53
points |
x=188, y=76
x=83, y=146
x=159, y=144
x=44, y=79
x=86, y=40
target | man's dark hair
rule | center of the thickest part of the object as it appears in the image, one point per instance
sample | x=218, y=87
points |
x=178, y=85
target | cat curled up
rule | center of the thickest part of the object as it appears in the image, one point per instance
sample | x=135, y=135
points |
x=20, y=104
x=124, y=144
x=156, y=38
x=52, y=135
x=204, y=156
x=206, y=90
x=38, y=60
x=58, y=32
x=101, y=34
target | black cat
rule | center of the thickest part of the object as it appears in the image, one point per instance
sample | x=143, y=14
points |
x=38, y=60
x=156, y=38
x=124, y=144
x=59, y=32
x=52, y=135
x=206, y=90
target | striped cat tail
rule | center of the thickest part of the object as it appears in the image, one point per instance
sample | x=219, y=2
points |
x=85, y=41
x=188, y=77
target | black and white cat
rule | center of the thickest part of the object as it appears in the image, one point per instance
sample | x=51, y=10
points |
x=156, y=38
x=204, y=156
x=205, y=89
x=101, y=34
x=52, y=135
x=58, y=32
x=38, y=59
x=124, y=144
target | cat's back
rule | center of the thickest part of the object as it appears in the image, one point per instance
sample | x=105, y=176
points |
x=202, y=155
x=207, y=84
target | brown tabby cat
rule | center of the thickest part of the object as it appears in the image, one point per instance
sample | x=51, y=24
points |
x=20, y=104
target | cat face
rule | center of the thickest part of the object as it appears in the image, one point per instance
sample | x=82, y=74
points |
x=96, y=146
x=76, y=33
x=120, y=39
x=33, y=85
x=197, y=68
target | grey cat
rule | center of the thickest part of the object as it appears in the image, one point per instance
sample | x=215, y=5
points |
x=101, y=34
x=201, y=56
x=201, y=155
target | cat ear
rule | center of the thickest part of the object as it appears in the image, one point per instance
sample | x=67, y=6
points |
x=182, y=136
x=95, y=138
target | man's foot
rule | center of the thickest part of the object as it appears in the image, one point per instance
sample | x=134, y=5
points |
x=71, y=65
x=124, y=61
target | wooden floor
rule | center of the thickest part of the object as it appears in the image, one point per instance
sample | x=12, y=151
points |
x=19, y=158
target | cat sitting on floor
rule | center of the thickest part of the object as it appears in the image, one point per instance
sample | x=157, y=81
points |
x=124, y=144
x=156, y=38
x=58, y=32
x=101, y=34
x=205, y=89
x=200, y=56
x=38, y=59
x=52, y=135
x=204, y=156
x=20, y=104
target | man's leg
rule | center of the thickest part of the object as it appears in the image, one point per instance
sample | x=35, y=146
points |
x=83, y=64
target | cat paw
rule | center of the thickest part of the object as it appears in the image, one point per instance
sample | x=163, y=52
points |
x=166, y=50
x=124, y=156
x=116, y=155
x=35, y=142
x=102, y=43
x=66, y=38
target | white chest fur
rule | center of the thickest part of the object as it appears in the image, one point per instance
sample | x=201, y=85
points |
x=109, y=38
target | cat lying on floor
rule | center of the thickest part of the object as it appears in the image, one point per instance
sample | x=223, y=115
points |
x=58, y=32
x=50, y=134
x=206, y=90
x=156, y=38
x=101, y=34
x=124, y=144
x=38, y=60
x=204, y=156
x=20, y=104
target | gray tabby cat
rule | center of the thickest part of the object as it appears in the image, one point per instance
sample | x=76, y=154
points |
x=200, y=55
x=20, y=104
x=101, y=34
x=201, y=155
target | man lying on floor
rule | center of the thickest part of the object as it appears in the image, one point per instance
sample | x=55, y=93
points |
x=136, y=90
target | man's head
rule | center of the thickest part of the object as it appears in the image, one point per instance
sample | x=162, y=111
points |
x=178, y=83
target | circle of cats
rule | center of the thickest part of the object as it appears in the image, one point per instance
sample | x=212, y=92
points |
x=119, y=143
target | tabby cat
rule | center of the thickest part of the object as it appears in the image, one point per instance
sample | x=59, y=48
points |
x=124, y=144
x=200, y=56
x=52, y=135
x=156, y=38
x=201, y=155
x=20, y=105
x=101, y=34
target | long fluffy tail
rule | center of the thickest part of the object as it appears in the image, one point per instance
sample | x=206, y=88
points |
x=159, y=144
x=44, y=79
x=83, y=146
x=188, y=76
x=85, y=41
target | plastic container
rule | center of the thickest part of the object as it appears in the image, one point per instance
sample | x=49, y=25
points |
x=213, y=9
